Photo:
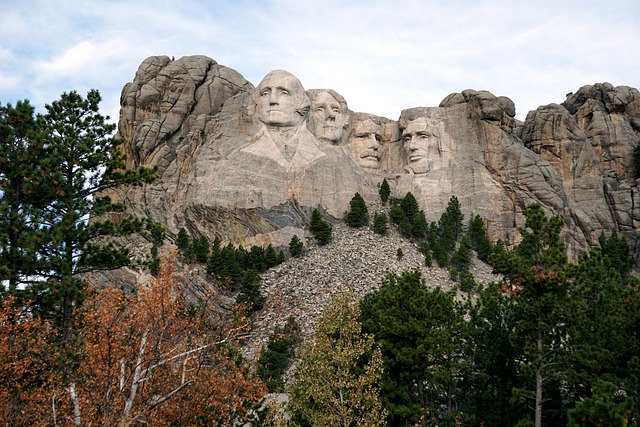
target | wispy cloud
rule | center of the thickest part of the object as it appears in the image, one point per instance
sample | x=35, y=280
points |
x=381, y=55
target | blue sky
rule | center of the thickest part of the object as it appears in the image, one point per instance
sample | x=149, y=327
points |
x=382, y=56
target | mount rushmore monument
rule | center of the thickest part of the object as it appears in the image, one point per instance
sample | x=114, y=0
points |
x=249, y=164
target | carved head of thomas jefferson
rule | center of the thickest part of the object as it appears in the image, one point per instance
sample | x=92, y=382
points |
x=281, y=100
x=328, y=116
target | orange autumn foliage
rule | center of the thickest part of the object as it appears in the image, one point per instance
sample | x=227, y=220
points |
x=148, y=358
x=25, y=383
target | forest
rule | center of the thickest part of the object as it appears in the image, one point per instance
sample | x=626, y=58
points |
x=553, y=343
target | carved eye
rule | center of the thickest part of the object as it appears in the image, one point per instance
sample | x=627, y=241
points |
x=378, y=138
x=284, y=92
x=319, y=110
x=265, y=93
x=336, y=110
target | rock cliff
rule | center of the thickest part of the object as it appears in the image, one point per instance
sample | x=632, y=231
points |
x=249, y=164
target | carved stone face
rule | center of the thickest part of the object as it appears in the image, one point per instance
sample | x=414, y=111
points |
x=279, y=100
x=422, y=146
x=364, y=143
x=327, y=120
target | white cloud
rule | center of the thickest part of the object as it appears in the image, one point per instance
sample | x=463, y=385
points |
x=382, y=56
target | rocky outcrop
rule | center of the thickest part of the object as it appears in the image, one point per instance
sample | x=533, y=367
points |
x=249, y=164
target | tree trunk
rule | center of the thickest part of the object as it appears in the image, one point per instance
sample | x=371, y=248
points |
x=538, y=410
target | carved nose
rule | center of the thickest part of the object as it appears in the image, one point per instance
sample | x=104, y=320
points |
x=373, y=142
x=273, y=98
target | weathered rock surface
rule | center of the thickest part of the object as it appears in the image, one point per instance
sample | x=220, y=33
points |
x=227, y=170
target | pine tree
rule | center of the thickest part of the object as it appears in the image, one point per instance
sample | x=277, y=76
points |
x=380, y=223
x=452, y=218
x=296, y=247
x=182, y=241
x=276, y=357
x=479, y=238
x=81, y=163
x=384, y=191
x=461, y=259
x=198, y=251
x=536, y=273
x=25, y=191
x=320, y=228
x=420, y=333
x=605, y=408
x=615, y=251
x=358, y=214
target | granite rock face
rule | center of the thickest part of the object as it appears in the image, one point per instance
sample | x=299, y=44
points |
x=249, y=164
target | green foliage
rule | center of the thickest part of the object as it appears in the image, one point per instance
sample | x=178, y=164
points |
x=25, y=193
x=419, y=331
x=320, y=229
x=615, y=251
x=358, y=214
x=535, y=272
x=461, y=259
x=406, y=214
x=494, y=360
x=380, y=223
x=452, y=218
x=399, y=254
x=479, y=238
x=183, y=240
x=198, y=250
x=336, y=380
x=275, y=358
x=69, y=161
x=607, y=407
x=384, y=191
x=296, y=247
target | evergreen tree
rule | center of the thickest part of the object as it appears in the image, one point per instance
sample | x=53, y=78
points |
x=452, y=218
x=607, y=407
x=24, y=194
x=270, y=257
x=461, y=259
x=250, y=293
x=536, y=274
x=320, y=228
x=419, y=331
x=296, y=247
x=182, y=241
x=276, y=357
x=384, y=191
x=380, y=223
x=494, y=372
x=81, y=163
x=396, y=213
x=358, y=214
x=479, y=238
x=336, y=381
x=198, y=251
x=408, y=216
x=615, y=251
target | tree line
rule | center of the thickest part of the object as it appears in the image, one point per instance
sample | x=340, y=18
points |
x=554, y=343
